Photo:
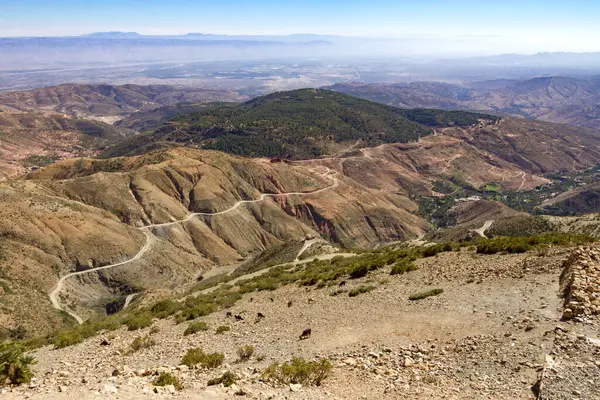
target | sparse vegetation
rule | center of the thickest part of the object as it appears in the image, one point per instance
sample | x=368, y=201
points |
x=227, y=379
x=402, y=267
x=138, y=321
x=521, y=244
x=245, y=352
x=36, y=160
x=139, y=343
x=424, y=295
x=222, y=329
x=165, y=308
x=15, y=365
x=197, y=357
x=166, y=379
x=300, y=371
x=360, y=290
x=195, y=327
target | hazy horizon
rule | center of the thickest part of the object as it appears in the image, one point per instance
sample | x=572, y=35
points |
x=522, y=27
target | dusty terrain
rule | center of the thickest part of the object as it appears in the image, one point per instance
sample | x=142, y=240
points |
x=488, y=335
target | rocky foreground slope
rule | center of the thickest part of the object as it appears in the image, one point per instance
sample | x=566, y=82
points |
x=496, y=331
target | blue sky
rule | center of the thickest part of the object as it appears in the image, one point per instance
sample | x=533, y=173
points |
x=549, y=24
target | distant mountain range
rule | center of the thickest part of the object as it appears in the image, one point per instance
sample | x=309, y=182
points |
x=574, y=101
x=293, y=38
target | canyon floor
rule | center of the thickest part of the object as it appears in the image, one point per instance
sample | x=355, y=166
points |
x=492, y=333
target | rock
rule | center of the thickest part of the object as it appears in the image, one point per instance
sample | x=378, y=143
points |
x=62, y=389
x=183, y=368
x=349, y=361
x=171, y=389
x=567, y=313
x=295, y=387
x=109, y=388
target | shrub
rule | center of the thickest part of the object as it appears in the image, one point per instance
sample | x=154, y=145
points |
x=166, y=379
x=227, y=379
x=199, y=310
x=245, y=352
x=423, y=295
x=299, y=371
x=521, y=244
x=67, y=338
x=138, y=321
x=359, y=271
x=223, y=329
x=197, y=356
x=139, y=343
x=195, y=327
x=165, y=308
x=403, y=266
x=15, y=366
x=360, y=290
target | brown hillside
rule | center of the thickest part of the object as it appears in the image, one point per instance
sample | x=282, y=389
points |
x=107, y=100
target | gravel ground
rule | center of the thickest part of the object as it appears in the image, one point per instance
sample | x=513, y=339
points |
x=487, y=336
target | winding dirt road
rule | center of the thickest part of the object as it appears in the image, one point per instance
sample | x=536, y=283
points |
x=54, y=294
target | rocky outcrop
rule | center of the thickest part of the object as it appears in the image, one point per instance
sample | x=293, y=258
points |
x=580, y=284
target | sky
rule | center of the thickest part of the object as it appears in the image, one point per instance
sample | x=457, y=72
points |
x=517, y=25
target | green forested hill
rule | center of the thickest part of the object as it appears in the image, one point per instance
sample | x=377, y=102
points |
x=297, y=124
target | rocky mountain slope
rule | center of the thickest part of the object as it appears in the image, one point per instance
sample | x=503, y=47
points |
x=495, y=329
x=566, y=100
x=106, y=100
x=362, y=200
x=41, y=126
x=64, y=209
x=29, y=140
x=176, y=212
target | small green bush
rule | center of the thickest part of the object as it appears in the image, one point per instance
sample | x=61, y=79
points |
x=138, y=321
x=222, y=329
x=428, y=293
x=359, y=271
x=165, y=308
x=299, y=371
x=15, y=366
x=245, y=352
x=403, y=266
x=360, y=290
x=227, y=379
x=166, y=379
x=199, y=310
x=197, y=356
x=195, y=327
x=67, y=338
x=139, y=343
